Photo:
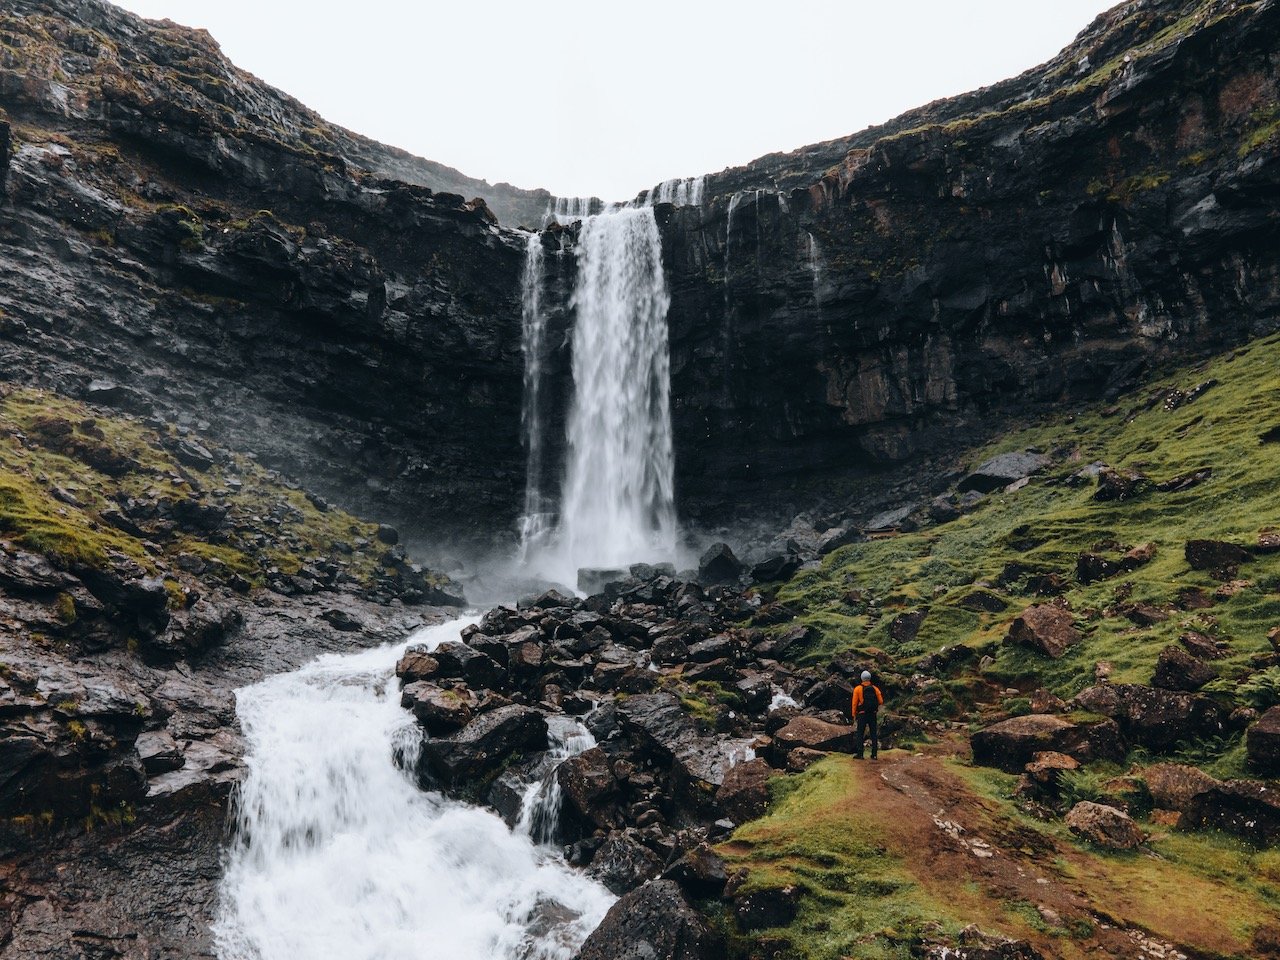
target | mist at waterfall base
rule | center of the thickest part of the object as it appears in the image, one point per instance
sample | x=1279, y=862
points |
x=616, y=504
x=340, y=856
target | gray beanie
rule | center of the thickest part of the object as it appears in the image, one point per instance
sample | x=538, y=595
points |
x=866, y=674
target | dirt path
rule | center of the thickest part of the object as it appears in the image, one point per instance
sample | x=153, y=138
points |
x=972, y=854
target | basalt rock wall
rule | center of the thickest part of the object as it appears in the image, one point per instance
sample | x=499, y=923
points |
x=1046, y=240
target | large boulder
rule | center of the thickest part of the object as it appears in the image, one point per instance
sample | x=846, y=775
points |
x=719, y=565
x=1046, y=628
x=1106, y=826
x=485, y=744
x=1219, y=558
x=1176, y=669
x=1263, y=743
x=1247, y=808
x=813, y=734
x=458, y=661
x=439, y=710
x=1152, y=717
x=623, y=863
x=1002, y=470
x=1011, y=744
x=654, y=922
x=1173, y=785
x=588, y=786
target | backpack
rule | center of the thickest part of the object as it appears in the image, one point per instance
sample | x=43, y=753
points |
x=870, y=701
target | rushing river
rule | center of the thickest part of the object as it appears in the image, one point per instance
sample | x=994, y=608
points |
x=338, y=854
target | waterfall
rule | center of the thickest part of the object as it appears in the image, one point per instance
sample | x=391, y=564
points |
x=568, y=209
x=683, y=193
x=618, y=505
x=540, y=807
x=815, y=268
x=617, y=500
x=535, y=523
x=339, y=855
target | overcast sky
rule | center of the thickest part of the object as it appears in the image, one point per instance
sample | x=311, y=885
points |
x=608, y=97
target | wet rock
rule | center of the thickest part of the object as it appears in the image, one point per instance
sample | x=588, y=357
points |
x=1263, y=743
x=654, y=922
x=1176, y=669
x=1046, y=628
x=1000, y=471
x=484, y=744
x=440, y=711
x=1104, y=825
x=459, y=661
x=700, y=873
x=1246, y=808
x=159, y=752
x=623, y=863
x=1173, y=785
x=718, y=565
x=1221, y=559
x=589, y=787
x=599, y=580
x=744, y=794
x=387, y=534
x=416, y=664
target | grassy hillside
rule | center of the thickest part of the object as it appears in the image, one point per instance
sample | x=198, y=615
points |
x=924, y=843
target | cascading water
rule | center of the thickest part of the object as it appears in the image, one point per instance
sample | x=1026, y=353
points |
x=536, y=522
x=618, y=498
x=815, y=268
x=339, y=856
x=540, y=807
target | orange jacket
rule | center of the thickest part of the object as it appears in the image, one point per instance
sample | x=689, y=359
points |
x=859, y=694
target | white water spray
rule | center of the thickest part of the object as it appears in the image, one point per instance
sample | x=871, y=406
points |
x=540, y=806
x=339, y=856
x=536, y=522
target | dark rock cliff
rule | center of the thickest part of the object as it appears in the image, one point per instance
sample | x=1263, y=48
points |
x=179, y=238
x=839, y=309
x=867, y=301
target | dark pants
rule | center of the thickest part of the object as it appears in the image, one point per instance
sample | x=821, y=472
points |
x=866, y=722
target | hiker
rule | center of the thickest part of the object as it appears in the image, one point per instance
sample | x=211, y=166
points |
x=867, y=700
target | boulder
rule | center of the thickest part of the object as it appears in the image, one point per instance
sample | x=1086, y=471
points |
x=623, y=863
x=974, y=944
x=1247, y=808
x=1106, y=826
x=1047, y=767
x=719, y=565
x=1176, y=669
x=744, y=795
x=416, y=664
x=439, y=710
x=1263, y=743
x=1000, y=471
x=485, y=744
x=700, y=872
x=1219, y=558
x=896, y=519
x=1173, y=785
x=1046, y=628
x=458, y=661
x=1011, y=744
x=589, y=788
x=654, y=922
x=813, y=734
x=1153, y=717
x=780, y=566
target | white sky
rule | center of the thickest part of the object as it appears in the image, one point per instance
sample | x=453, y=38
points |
x=608, y=97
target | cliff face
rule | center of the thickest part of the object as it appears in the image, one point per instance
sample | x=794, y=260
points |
x=1043, y=240
x=220, y=255
x=180, y=239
